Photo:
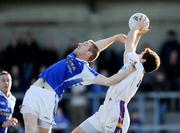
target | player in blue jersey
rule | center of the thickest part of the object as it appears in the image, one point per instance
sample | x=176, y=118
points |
x=7, y=102
x=41, y=100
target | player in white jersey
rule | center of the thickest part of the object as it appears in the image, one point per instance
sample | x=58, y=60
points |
x=113, y=116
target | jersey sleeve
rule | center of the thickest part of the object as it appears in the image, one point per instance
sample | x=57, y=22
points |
x=89, y=75
x=133, y=57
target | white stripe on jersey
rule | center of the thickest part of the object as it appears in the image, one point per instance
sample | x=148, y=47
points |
x=11, y=98
x=86, y=75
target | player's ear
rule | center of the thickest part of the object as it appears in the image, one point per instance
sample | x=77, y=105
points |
x=88, y=53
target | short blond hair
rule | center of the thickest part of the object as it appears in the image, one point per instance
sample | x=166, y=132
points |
x=95, y=52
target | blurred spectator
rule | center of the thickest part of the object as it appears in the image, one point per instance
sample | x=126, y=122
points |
x=170, y=55
x=147, y=85
x=2, y=57
x=135, y=122
x=172, y=70
x=78, y=105
x=72, y=44
x=49, y=54
x=13, y=53
x=160, y=81
x=16, y=85
x=32, y=58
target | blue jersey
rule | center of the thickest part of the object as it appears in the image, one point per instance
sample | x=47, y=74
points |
x=68, y=72
x=6, y=109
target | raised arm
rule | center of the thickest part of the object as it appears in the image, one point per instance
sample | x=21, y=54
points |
x=141, y=32
x=133, y=38
x=104, y=43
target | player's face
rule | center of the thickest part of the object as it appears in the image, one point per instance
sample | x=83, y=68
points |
x=83, y=49
x=5, y=83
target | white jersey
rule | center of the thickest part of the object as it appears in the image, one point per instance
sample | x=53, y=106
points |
x=113, y=115
x=127, y=88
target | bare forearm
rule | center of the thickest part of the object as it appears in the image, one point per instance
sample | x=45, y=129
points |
x=137, y=41
x=116, y=78
x=104, y=43
x=130, y=41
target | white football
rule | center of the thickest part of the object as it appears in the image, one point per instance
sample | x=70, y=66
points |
x=135, y=17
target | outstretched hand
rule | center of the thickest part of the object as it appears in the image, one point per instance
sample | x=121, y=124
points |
x=120, y=38
x=143, y=31
x=142, y=26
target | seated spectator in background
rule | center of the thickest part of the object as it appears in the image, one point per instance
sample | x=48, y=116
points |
x=7, y=102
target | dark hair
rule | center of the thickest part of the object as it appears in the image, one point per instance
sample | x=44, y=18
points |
x=152, y=60
x=95, y=52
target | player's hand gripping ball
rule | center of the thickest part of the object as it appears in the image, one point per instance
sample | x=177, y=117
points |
x=138, y=17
